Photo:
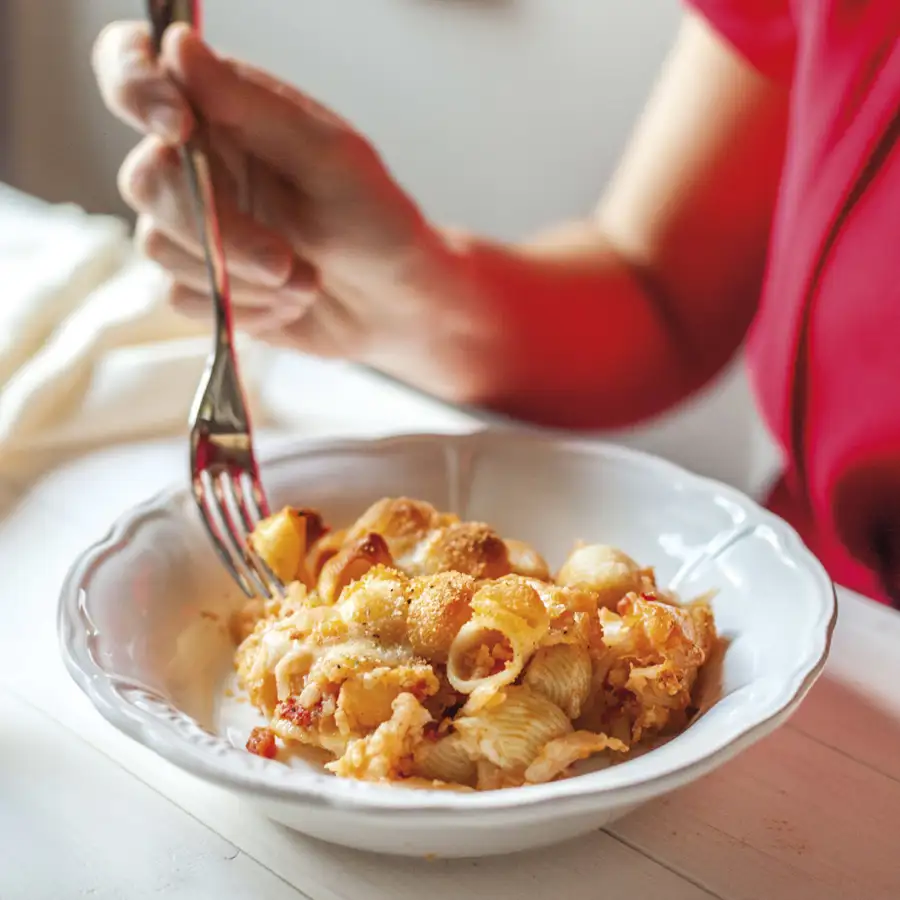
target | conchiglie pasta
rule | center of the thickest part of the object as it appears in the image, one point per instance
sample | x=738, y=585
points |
x=439, y=605
x=350, y=564
x=511, y=733
x=283, y=539
x=605, y=570
x=491, y=649
x=562, y=673
x=322, y=550
x=402, y=522
x=445, y=759
x=526, y=561
x=376, y=606
x=467, y=547
x=557, y=756
x=419, y=649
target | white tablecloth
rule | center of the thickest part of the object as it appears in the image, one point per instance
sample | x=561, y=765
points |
x=809, y=814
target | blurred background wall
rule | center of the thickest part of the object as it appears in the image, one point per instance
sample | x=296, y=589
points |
x=6, y=84
x=499, y=115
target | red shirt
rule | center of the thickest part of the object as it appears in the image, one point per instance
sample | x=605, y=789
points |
x=824, y=351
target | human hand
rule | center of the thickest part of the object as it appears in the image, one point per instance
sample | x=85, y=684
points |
x=333, y=257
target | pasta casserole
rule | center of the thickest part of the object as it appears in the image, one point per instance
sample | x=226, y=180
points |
x=417, y=648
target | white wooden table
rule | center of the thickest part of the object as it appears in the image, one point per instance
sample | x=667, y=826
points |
x=812, y=813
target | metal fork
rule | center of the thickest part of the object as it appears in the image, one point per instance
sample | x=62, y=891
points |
x=224, y=472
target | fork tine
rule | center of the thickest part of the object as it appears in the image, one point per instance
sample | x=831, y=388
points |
x=221, y=491
x=256, y=508
x=242, y=523
x=277, y=585
x=217, y=541
x=213, y=505
x=254, y=497
x=242, y=508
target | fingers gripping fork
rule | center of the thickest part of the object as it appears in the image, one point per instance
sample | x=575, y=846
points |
x=224, y=472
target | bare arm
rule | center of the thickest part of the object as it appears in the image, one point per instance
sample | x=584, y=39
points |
x=599, y=323
x=616, y=318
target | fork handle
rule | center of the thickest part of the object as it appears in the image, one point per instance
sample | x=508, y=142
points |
x=162, y=14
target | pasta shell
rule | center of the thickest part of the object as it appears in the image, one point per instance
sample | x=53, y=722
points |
x=324, y=549
x=350, y=564
x=402, y=522
x=439, y=606
x=282, y=540
x=510, y=734
x=526, y=561
x=606, y=570
x=376, y=606
x=469, y=547
x=556, y=757
x=508, y=621
x=562, y=673
x=445, y=760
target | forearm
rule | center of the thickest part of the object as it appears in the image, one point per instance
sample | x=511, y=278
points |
x=584, y=338
x=615, y=318
x=610, y=320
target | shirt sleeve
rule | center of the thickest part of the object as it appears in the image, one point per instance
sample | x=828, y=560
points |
x=762, y=31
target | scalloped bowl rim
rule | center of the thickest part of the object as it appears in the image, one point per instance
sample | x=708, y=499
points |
x=258, y=777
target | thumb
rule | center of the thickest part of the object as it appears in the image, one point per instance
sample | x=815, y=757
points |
x=267, y=118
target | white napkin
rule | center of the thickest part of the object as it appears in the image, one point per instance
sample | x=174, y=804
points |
x=89, y=351
x=91, y=354
x=50, y=259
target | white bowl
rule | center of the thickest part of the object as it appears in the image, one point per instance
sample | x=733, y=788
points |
x=142, y=626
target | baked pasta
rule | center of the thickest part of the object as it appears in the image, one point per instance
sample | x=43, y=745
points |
x=416, y=648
